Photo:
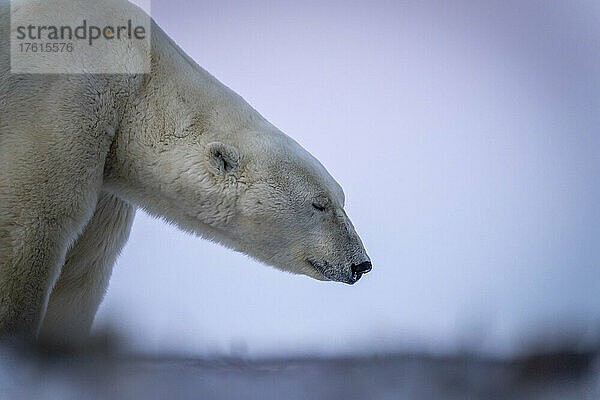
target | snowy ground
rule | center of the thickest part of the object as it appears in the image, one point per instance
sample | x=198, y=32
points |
x=45, y=375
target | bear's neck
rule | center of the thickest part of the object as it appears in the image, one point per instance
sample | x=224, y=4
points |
x=187, y=88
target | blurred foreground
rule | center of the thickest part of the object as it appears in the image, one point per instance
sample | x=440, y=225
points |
x=101, y=374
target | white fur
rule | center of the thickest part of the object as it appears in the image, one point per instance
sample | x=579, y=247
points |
x=78, y=153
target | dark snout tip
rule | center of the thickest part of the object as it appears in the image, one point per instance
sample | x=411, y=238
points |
x=362, y=268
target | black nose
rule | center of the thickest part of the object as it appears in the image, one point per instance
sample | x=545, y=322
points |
x=362, y=268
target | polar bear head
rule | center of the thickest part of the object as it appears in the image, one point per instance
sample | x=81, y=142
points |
x=289, y=211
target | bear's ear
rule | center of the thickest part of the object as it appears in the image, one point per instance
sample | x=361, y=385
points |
x=222, y=158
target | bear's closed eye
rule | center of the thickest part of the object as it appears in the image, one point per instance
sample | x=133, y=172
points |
x=319, y=207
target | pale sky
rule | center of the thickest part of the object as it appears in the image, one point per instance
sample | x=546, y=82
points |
x=465, y=136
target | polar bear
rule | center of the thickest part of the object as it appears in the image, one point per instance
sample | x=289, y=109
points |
x=79, y=153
